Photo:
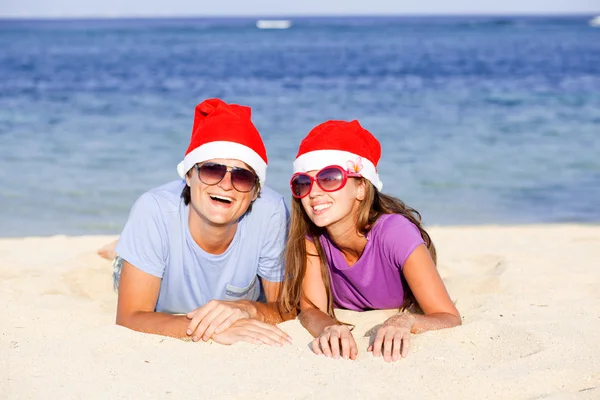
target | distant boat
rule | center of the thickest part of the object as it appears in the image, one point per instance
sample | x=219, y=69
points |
x=273, y=24
x=595, y=22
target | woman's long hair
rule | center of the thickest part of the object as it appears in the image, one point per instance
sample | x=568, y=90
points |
x=370, y=209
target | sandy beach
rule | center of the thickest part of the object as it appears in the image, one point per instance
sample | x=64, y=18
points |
x=528, y=296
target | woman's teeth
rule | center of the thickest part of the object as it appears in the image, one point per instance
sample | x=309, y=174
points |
x=321, y=207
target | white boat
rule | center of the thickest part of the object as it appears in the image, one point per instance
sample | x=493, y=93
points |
x=273, y=24
x=595, y=22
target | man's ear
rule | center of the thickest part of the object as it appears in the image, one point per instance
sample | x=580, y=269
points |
x=255, y=195
x=360, y=194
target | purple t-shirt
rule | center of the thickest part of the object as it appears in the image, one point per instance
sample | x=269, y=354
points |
x=375, y=281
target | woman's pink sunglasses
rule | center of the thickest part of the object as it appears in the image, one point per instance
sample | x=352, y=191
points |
x=329, y=179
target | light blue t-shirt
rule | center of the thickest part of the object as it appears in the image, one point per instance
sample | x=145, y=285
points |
x=157, y=240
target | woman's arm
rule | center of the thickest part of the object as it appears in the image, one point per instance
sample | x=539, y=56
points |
x=426, y=284
x=393, y=338
x=313, y=303
x=332, y=339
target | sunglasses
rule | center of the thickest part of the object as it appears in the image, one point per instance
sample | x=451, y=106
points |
x=329, y=179
x=243, y=180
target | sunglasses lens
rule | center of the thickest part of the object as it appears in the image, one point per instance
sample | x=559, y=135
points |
x=330, y=179
x=300, y=185
x=242, y=179
x=211, y=173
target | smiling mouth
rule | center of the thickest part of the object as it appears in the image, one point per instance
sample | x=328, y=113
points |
x=221, y=199
x=321, y=207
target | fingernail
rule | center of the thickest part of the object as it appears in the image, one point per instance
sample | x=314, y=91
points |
x=189, y=331
x=195, y=338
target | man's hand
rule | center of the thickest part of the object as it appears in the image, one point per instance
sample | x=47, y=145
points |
x=253, y=331
x=393, y=338
x=215, y=317
x=332, y=338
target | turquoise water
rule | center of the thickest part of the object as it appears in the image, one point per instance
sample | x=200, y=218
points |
x=482, y=120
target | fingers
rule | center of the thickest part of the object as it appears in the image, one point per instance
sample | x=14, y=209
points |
x=265, y=333
x=376, y=346
x=335, y=342
x=405, y=344
x=397, y=346
x=225, y=324
x=349, y=349
x=324, y=342
x=214, y=317
x=218, y=323
x=202, y=324
x=316, y=346
x=353, y=351
x=388, y=342
x=197, y=316
x=391, y=344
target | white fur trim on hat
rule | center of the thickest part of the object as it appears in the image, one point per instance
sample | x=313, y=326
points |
x=222, y=149
x=318, y=159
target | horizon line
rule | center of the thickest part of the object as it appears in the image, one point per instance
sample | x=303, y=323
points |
x=292, y=16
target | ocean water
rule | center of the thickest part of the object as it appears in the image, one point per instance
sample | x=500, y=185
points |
x=483, y=120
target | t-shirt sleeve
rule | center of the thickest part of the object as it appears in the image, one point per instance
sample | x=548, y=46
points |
x=143, y=241
x=401, y=237
x=270, y=264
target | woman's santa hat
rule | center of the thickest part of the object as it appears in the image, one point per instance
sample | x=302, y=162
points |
x=224, y=130
x=342, y=143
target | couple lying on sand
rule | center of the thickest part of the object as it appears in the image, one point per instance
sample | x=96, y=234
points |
x=201, y=258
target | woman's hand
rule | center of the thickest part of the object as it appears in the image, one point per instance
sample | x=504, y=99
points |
x=393, y=338
x=336, y=340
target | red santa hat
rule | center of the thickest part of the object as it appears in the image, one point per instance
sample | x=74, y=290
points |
x=224, y=130
x=342, y=143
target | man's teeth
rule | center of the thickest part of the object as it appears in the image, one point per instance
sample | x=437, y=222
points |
x=320, y=207
x=221, y=198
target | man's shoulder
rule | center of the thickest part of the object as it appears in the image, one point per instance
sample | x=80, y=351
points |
x=269, y=201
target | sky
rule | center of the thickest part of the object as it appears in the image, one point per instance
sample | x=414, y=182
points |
x=198, y=8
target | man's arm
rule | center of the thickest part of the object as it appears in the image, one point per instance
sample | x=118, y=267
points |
x=138, y=294
x=268, y=312
x=217, y=316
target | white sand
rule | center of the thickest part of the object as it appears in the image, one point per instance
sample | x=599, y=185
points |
x=529, y=296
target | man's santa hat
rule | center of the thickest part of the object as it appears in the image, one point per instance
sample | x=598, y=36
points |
x=342, y=143
x=224, y=130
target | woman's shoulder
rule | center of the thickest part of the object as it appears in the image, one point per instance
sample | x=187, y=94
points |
x=397, y=236
x=394, y=223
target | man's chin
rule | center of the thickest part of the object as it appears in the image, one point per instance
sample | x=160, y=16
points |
x=221, y=220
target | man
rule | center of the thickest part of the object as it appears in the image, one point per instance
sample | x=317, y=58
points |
x=195, y=253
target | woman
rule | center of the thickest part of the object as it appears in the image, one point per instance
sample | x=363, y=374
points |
x=352, y=247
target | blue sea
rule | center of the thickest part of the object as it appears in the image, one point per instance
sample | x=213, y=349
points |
x=483, y=120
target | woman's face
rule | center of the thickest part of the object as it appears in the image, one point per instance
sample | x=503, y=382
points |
x=326, y=209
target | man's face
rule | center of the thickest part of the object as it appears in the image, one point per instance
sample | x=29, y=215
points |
x=220, y=203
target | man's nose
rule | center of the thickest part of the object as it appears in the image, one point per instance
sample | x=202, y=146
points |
x=226, y=183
